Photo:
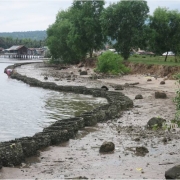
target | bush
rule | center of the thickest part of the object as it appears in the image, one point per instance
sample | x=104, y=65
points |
x=111, y=63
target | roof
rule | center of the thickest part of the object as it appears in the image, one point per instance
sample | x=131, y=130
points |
x=14, y=48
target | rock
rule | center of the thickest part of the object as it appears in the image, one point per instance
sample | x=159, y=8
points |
x=136, y=139
x=107, y=147
x=126, y=84
x=162, y=82
x=141, y=151
x=173, y=173
x=136, y=83
x=45, y=78
x=160, y=95
x=155, y=121
x=83, y=73
x=164, y=140
x=118, y=87
x=149, y=79
x=139, y=96
x=105, y=88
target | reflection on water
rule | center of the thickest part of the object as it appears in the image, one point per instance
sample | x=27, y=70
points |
x=25, y=110
x=59, y=105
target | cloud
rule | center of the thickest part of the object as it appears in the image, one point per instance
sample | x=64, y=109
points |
x=29, y=15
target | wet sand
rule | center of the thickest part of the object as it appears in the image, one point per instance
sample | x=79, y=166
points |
x=80, y=157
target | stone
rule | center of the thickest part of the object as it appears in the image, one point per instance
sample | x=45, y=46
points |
x=173, y=173
x=155, y=121
x=118, y=87
x=105, y=88
x=160, y=95
x=149, y=79
x=141, y=151
x=107, y=147
x=139, y=96
x=162, y=82
x=45, y=78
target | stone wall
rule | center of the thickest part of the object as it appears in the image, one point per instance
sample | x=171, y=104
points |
x=15, y=151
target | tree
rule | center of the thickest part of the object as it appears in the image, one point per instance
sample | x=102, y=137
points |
x=124, y=22
x=165, y=26
x=76, y=31
x=86, y=34
x=57, y=39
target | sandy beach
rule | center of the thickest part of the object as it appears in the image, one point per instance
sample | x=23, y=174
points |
x=79, y=158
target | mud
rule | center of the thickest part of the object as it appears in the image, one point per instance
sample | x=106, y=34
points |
x=81, y=157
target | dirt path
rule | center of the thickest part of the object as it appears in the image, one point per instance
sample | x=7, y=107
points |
x=81, y=157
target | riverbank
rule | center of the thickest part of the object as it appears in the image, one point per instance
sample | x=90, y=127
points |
x=81, y=157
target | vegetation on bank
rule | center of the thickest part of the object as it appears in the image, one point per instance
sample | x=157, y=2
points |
x=34, y=39
x=155, y=60
x=125, y=25
x=111, y=63
x=33, y=35
x=7, y=42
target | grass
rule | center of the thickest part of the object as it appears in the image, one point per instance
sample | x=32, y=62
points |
x=159, y=60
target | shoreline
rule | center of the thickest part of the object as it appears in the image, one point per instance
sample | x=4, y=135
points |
x=80, y=157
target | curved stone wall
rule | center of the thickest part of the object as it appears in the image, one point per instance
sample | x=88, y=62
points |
x=14, y=152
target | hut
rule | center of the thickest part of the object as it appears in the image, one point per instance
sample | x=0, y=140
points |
x=20, y=51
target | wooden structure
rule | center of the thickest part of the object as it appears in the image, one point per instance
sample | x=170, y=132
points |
x=21, y=52
x=17, y=52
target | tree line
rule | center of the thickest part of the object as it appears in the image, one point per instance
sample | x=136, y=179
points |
x=34, y=35
x=6, y=42
x=88, y=26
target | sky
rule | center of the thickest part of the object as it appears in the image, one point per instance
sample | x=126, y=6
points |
x=32, y=15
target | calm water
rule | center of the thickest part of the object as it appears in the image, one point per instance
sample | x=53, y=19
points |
x=25, y=110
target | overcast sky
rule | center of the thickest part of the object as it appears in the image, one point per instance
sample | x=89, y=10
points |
x=31, y=15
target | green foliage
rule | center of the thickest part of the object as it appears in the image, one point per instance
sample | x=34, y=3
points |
x=57, y=40
x=7, y=42
x=86, y=34
x=33, y=35
x=111, y=63
x=130, y=19
x=165, y=27
x=76, y=32
x=155, y=127
x=154, y=60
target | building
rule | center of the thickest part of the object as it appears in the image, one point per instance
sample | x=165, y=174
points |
x=17, y=50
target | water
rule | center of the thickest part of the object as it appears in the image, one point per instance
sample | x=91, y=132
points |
x=26, y=110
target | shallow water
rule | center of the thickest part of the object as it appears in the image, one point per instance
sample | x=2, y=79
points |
x=26, y=110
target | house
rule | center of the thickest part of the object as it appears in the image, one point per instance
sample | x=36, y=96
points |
x=17, y=50
x=32, y=51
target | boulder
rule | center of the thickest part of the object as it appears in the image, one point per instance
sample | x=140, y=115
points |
x=160, y=95
x=173, y=173
x=155, y=121
x=107, y=147
x=139, y=96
